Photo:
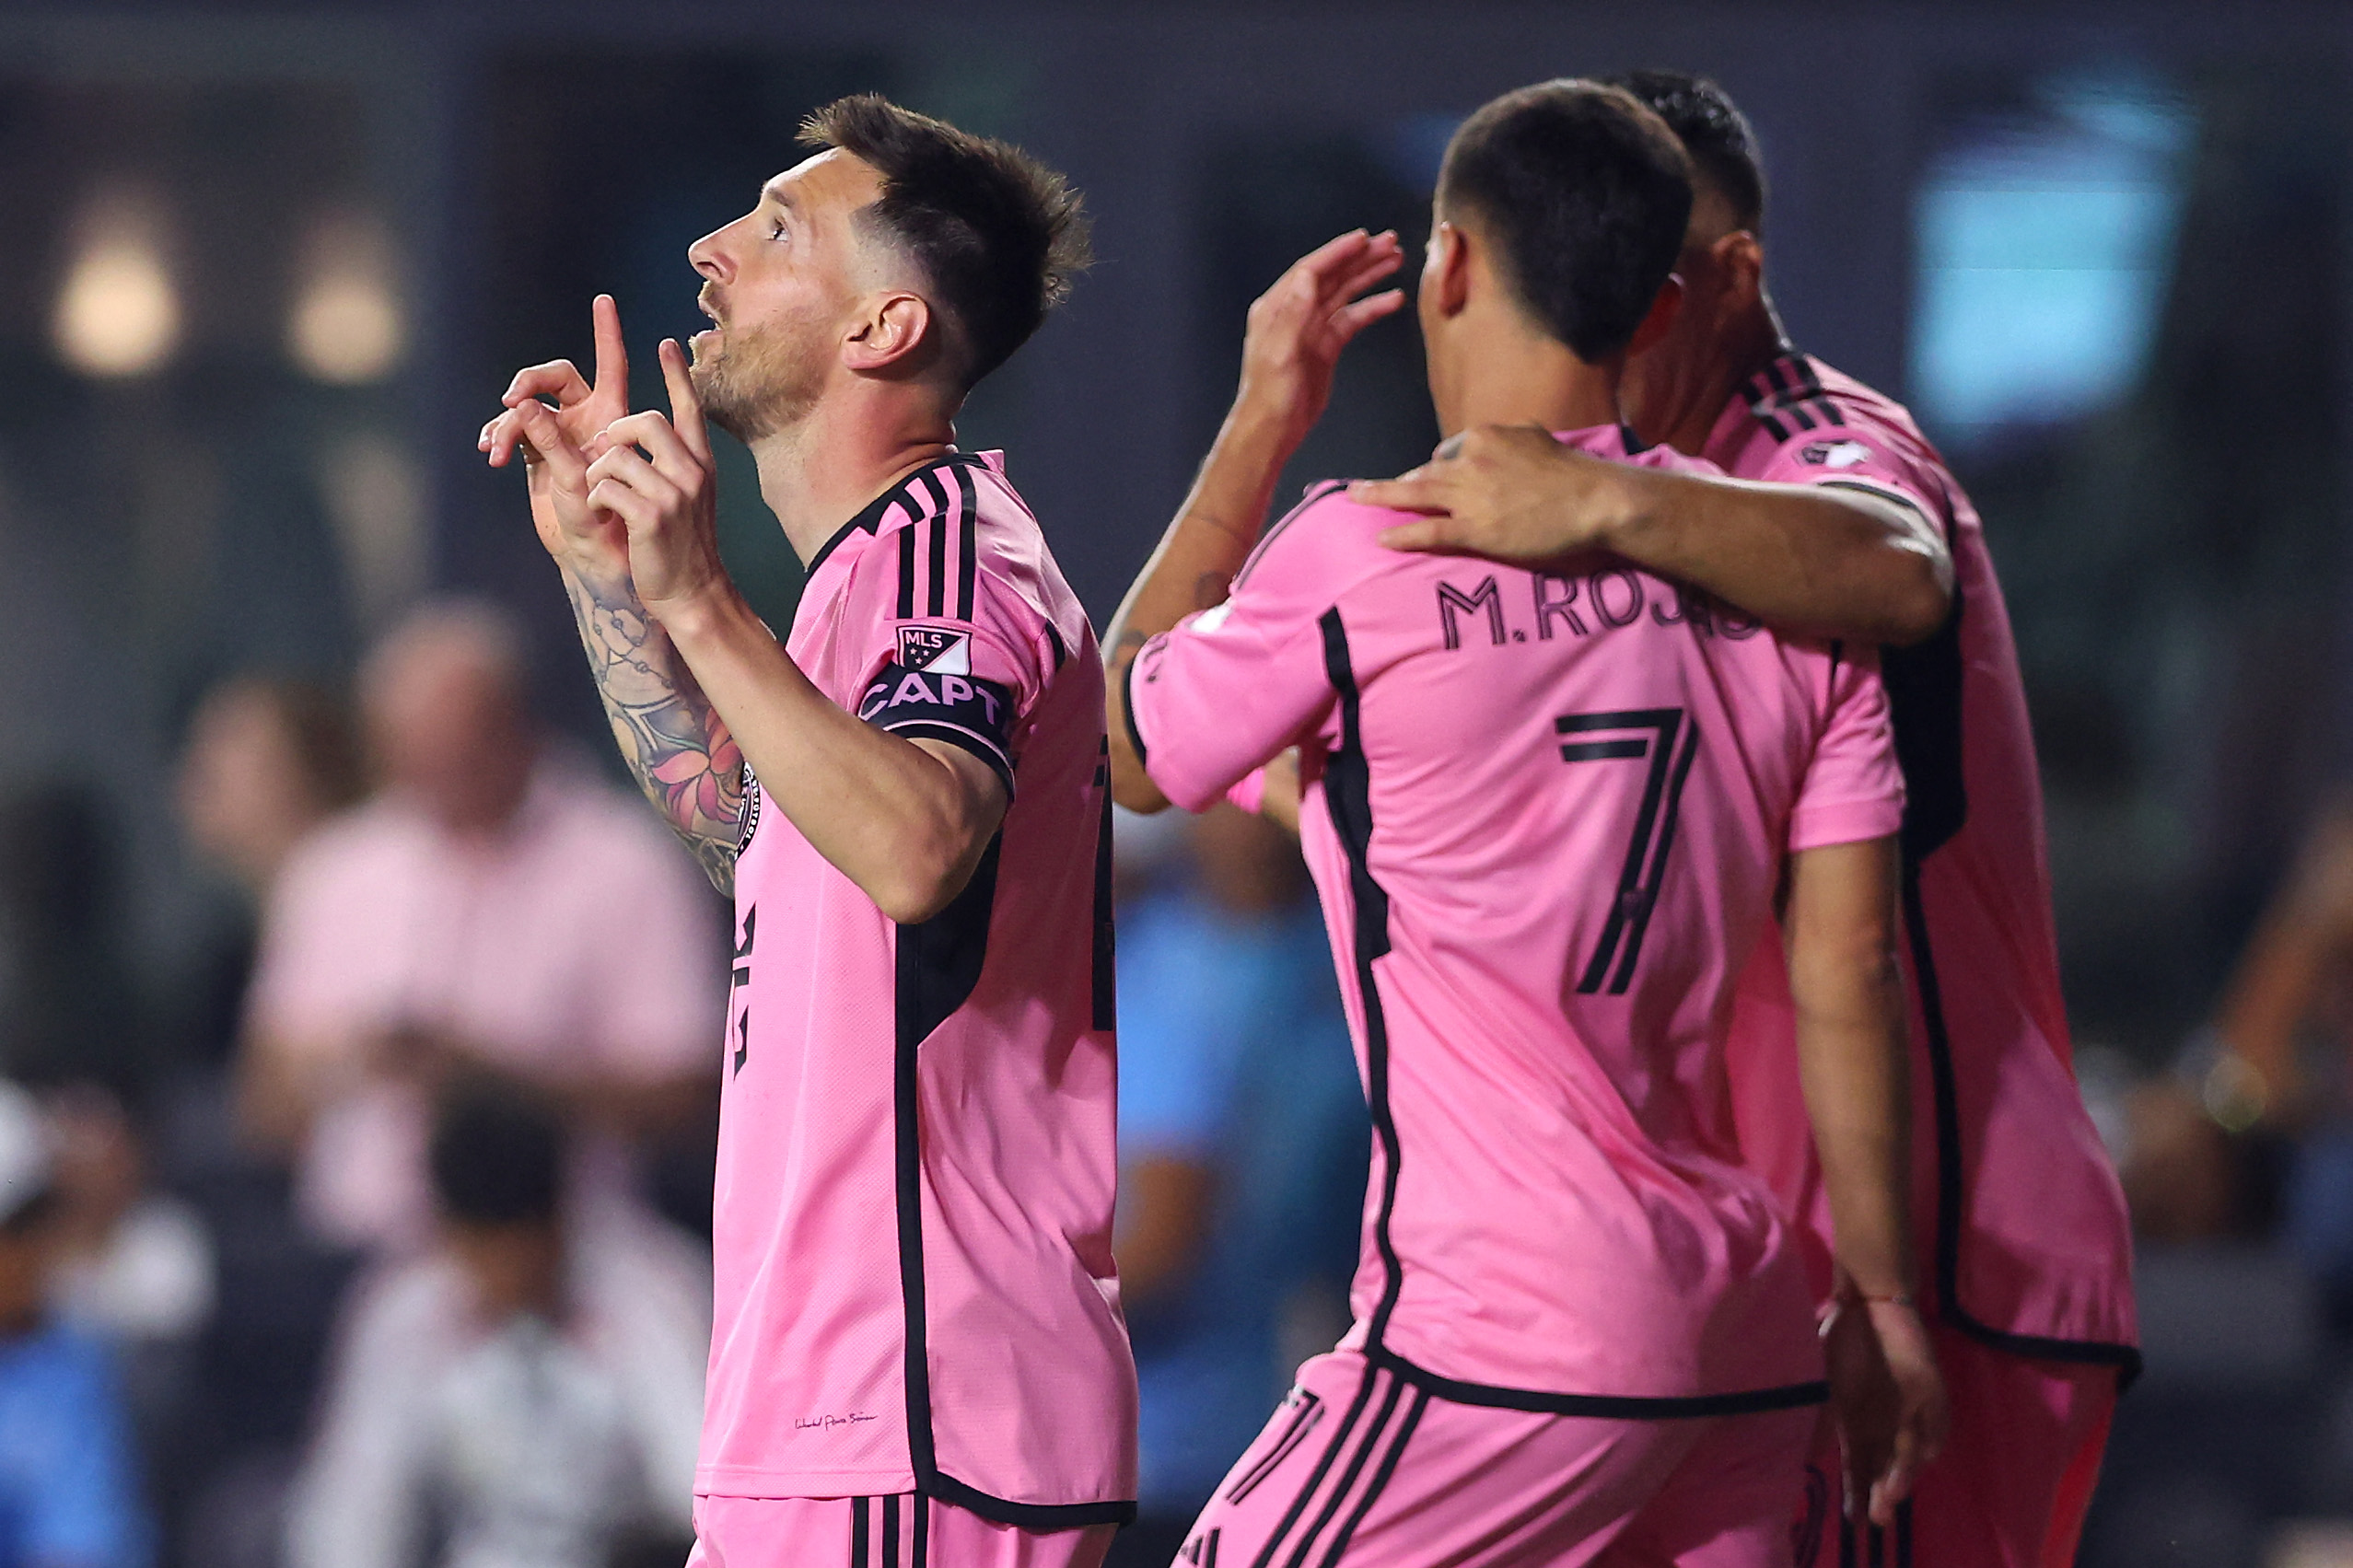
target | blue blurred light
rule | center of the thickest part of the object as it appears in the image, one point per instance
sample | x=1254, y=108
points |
x=2046, y=239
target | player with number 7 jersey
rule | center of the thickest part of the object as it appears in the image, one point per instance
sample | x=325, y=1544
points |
x=1546, y=812
x=1549, y=813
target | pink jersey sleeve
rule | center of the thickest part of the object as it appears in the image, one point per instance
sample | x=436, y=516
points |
x=1855, y=459
x=1211, y=700
x=1853, y=789
x=964, y=665
x=1250, y=792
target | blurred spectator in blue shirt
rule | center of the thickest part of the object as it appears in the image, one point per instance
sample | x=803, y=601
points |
x=68, y=1494
x=1244, y=1141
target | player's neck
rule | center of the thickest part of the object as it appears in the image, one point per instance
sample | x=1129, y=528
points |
x=1751, y=341
x=1526, y=379
x=818, y=474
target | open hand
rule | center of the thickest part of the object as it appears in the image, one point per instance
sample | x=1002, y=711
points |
x=1888, y=1400
x=1299, y=327
x=654, y=475
x=555, y=443
x=1510, y=493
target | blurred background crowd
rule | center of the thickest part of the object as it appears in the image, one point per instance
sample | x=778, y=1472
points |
x=359, y=1034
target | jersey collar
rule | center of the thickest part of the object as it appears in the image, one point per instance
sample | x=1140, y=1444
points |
x=870, y=520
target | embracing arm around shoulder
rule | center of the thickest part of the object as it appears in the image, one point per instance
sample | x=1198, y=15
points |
x=695, y=684
x=1297, y=331
x=1821, y=560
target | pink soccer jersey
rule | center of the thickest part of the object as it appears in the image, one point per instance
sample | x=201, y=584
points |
x=2022, y=1227
x=1546, y=813
x=913, y=1222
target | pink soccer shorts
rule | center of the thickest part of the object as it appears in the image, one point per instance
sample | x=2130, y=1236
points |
x=905, y=1531
x=1362, y=1469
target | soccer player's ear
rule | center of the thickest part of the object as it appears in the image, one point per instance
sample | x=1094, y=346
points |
x=1661, y=316
x=1446, y=274
x=1740, y=262
x=897, y=328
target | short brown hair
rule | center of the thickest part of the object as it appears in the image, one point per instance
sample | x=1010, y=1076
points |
x=998, y=234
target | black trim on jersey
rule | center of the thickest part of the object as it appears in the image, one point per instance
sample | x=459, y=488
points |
x=1105, y=976
x=1054, y=641
x=1316, y=493
x=966, y=711
x=891, y=1531
x=1890, y=494
x=1026, y=1515
x=940, y=962
x=858, y=1532
x=907, y=573
x=869, y=519
x=1127, y=712
x=1610, y=1407
x=936, y=553
x=1790, y=386
x=1632, y=439
x=1950, y=1181
x=1923, y=699
x=1347, y=791
x=920, y=1506
x=962, y=739
x=968, y=541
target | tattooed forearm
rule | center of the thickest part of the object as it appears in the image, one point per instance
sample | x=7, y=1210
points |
x=674, y=743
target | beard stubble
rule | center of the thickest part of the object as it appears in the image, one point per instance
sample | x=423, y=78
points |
x=763, y=379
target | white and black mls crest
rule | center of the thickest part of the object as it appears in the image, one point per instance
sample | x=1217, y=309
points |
x=935, y=650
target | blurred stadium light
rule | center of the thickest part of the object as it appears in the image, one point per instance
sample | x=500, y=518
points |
x=118, y=309
x=346, y=325
x=2046, y=233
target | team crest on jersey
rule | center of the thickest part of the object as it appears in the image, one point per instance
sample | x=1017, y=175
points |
x=1835, y=454
x=935, y=650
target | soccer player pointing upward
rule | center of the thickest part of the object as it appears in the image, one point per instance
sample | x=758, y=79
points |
x=1550, y=813
x=917, y=1355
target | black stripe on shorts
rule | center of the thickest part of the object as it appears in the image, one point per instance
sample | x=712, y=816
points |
x=1323, y=1466
x=1347, y=1480
x=1380, y=1476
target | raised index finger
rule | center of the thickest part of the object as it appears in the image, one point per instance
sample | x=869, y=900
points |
x=685, y=408
x=613, y=353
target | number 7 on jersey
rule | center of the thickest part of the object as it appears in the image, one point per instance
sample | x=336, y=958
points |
x=1650, y=735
